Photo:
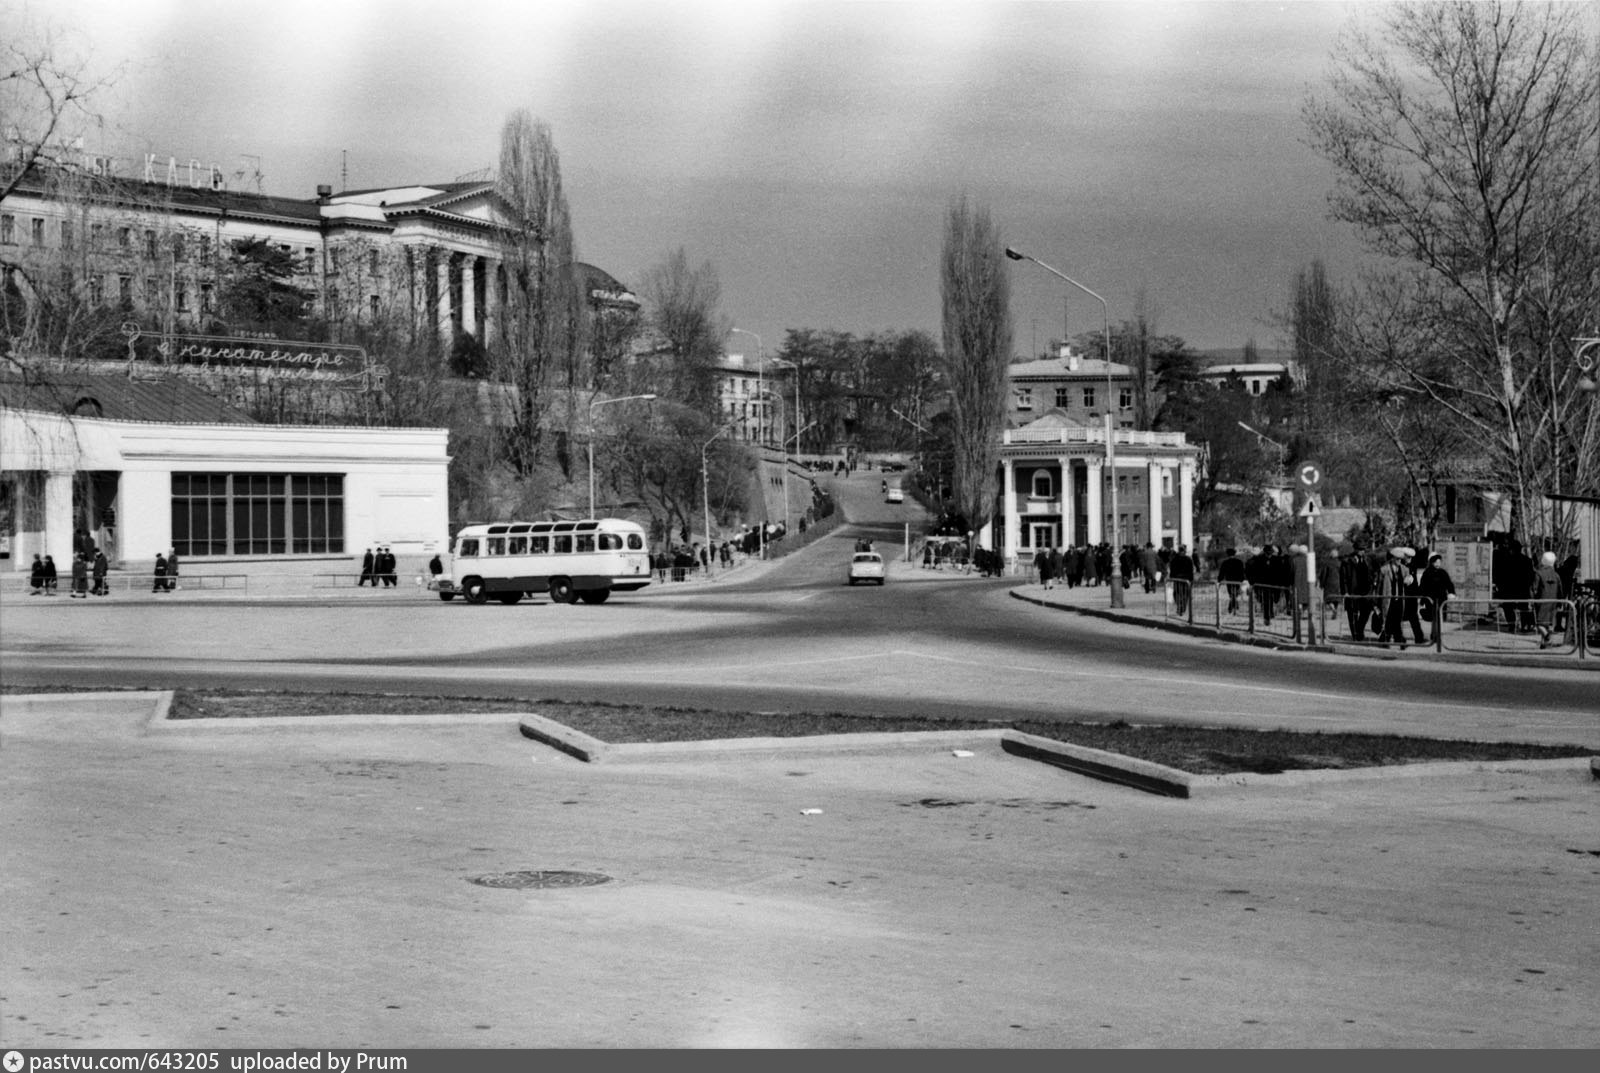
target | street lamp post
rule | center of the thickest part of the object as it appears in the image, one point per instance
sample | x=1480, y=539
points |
x=705, y=487
x=1111, y=450
x=594, y=405
x=796, y=437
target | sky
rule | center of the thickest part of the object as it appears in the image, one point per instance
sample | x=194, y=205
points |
x=809, y=152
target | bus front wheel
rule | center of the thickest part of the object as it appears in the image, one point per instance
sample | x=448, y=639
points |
x=473, y=590
x=561, y=591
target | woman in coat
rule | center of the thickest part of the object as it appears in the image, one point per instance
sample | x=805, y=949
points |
x=1546, y=589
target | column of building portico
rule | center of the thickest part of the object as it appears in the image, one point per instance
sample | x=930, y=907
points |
x=443, y=312
x=1069, y=501
x=1008, y=474
x=1156, y=470
x=491, y=298
x=1186, y=503
x=1097, y=521
x=58, y=528
x=469, y=296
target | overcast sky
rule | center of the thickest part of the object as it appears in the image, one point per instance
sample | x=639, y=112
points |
x=809, y=151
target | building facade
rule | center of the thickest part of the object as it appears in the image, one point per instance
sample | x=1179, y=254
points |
x=225, y=493
x=1078, y=387
x=426, y=255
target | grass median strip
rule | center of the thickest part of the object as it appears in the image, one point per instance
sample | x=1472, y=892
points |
x=1197, y=750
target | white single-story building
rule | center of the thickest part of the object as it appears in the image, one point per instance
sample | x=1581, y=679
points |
x=216, y=492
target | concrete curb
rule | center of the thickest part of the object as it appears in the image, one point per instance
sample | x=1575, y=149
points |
x=1184, y=628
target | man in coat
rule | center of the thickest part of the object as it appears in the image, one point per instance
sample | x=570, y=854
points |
x=368, y=565
x=98, y=572
x=1181, y=566
x=1150, y=565
x=1230, y=572
x=160, y=583
x=1355, y=579
x=1436, y=588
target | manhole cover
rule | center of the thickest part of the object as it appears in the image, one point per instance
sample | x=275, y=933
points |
x=539, y=880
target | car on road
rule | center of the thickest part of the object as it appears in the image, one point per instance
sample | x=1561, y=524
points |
x=867, y=566
x=894, y=495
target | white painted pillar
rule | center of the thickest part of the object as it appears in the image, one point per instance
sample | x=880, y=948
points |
x=1097, y=520
x=1008, y=474
x=469, y=297
x=1069, y=502
x=1156, y=471
x=442, y=313
x=491, y=298
x=1186, y=503
x=58, y=523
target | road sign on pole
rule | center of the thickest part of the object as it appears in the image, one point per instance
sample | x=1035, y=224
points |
x=1310, y=474
x=1310, y=509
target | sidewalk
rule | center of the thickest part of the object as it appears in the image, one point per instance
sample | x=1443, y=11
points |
x=1156, y=610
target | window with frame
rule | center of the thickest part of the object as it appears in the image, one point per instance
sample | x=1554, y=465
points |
x=1063, y=397
x=494, y=546
x=1125, y=399
x=1042, y=484
x=66, y=234
x=563, y=545
x=467, y=548
x=540, y=545
x=152, y=246
x=1088, y=398
x=97, y=236
x=585, y=543
x=125, y=288
x=258, y=513
x=1024, y=398
x=38, y=232
x=518, y=546
x=207, y=302
x=8, y=229
x=125, y=238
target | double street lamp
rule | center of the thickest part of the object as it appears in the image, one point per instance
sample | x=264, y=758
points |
x=1111, y=451
x=593, y=406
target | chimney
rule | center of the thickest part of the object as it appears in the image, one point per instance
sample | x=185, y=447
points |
x=1071, y=356
x=324, y=191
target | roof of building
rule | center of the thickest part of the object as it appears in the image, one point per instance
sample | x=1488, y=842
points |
x=153, y=396
x=1062, y=369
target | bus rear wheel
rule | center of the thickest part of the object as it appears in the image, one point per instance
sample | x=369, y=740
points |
x=595, y=596
x=561, y=590
x=473, y=590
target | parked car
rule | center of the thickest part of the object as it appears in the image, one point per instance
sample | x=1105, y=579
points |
x=894, y=495
x=867, y=566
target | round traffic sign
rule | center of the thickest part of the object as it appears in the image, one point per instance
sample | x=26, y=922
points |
x=1310, y=474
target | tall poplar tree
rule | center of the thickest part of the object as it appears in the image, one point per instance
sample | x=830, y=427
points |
x=976, y=295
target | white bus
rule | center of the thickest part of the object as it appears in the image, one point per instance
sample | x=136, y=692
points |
x=585, y=560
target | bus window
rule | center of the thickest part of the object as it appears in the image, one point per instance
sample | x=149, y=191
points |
x=467, y=548
x=541, y=545
x=610, y=542
x=496, y=546
x=585, y=543
x=564, y=545
x=519, y=546
x=635, y=542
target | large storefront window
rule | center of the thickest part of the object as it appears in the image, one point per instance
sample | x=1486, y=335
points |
x=257, y=513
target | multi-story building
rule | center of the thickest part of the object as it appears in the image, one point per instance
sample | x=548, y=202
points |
x=1078, y=387
x=757, y=400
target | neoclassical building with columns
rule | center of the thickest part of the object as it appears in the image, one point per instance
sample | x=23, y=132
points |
x=1056, y=489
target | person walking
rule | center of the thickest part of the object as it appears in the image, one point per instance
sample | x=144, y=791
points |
x=1230, y=572
x=99, y=573
x=1355, y=578
x=160, y=574
x=1436, y=588
x=1181, y=568
x=1300, y=584
x=1545, y=591
x=1150, y=565
x=172, y=569
x=1330, y=581
x=368, y=565
x=1258, y=572
x=435, y=566
x=49, y=575
x=1055, y=565
x=80, y=577
x=1041, y=567
x=1397, y=597
x=36, y=576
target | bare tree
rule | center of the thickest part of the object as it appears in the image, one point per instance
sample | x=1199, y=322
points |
x=539, y=314
x=976, y=295
x=681, y=307
x=1464, y=145
x=47, y=90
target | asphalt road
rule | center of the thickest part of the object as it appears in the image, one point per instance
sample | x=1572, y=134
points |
x=786, y=636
